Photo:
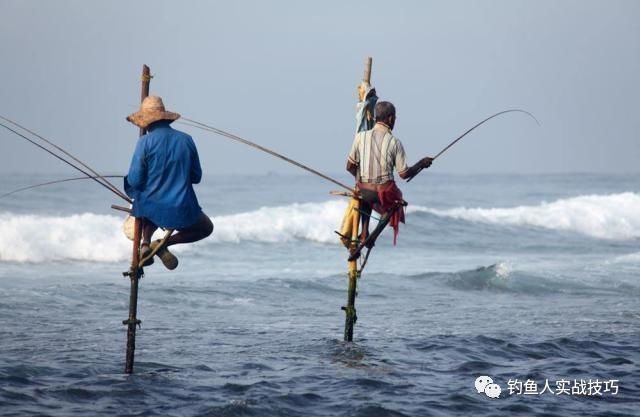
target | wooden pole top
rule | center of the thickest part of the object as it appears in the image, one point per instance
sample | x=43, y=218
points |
x=367, y=70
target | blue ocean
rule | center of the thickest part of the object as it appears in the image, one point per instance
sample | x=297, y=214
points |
x=531, y=281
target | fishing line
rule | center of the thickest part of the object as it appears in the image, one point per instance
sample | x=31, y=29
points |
x=475, y=126
x=231, y=136
x=56, y=182
x=96, y=176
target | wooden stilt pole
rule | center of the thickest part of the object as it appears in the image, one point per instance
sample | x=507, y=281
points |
x=134, y=274
x=362, y=90
x=353, y=275
x=135, y=271
x=144, y=91
x=367, y=70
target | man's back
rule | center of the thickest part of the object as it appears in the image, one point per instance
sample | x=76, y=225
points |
x=163, y=169
x=377, y=152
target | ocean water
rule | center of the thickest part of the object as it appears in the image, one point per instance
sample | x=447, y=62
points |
x=531, y=280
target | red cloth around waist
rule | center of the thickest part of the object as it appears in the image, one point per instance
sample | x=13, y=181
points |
x=390, y=197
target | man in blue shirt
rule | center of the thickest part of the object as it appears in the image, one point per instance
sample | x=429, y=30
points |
x=164, y=167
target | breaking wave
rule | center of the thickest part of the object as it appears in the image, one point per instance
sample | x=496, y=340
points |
x=35, y=238
x=308, y=221
x=502, y=277
x=94, y=237
x=614, y=216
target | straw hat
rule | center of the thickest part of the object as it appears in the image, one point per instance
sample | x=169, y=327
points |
x=151, y=110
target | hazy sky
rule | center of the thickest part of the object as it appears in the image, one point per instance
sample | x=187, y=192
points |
x=283, y=74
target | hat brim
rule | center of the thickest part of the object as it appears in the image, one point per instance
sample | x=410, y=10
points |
x=144, y=118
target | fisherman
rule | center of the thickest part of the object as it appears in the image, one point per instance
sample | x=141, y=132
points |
x=164, y=167
x=374, y=155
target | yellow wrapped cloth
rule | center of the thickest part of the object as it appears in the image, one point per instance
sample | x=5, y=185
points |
x=350, y=221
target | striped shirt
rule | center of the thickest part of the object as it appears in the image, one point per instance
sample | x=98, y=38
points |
x=376, y=152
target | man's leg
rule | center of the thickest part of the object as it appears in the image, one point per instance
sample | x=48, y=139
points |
x=365, y=215
x=148, y=228
x=198, y=231
x=367, y=200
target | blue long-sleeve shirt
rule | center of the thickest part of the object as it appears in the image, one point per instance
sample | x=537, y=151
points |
x=164, y=166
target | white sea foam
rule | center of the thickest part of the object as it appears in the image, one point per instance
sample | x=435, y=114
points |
x=631, y=258
x=503, y=270
x=31, y=238
x=309, y=221
x=92, y=237
x=614, y=216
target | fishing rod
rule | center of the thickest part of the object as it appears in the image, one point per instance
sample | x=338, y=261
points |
x=55, y=182
x=113, y=190
x=96, y=176
x=475, y=126
x=231, y=136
